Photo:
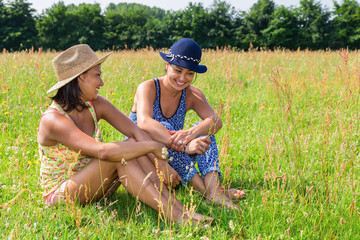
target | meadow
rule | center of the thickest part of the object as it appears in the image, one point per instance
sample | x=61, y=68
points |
x=290, y=139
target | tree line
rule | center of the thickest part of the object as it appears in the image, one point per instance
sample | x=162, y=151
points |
x=134, y=26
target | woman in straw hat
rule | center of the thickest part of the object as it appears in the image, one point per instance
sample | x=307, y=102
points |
x=75, y=163
x=160, y=106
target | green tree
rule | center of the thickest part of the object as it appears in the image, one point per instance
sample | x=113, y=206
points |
x=283, y=29
x=257, y=20
x=314, y=25
x=62, y=26
x=346, y=22
x=192, y=22
x=17, y=26
x=132, y=25
x=222, y=24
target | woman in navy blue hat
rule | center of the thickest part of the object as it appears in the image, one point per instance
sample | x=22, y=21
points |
x=160, y=106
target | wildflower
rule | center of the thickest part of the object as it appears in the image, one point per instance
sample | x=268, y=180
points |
x=4, y=92
x=270, y=109
x=262, y=107
x=123, y=162
x=14, y=67
x=29, y=163
x=113, y=93
x=6, y=113
x=164, y=152
x=0, y=72
x=20, y=114
x=231, y=225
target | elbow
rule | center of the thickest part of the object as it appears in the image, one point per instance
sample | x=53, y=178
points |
x=143, y=125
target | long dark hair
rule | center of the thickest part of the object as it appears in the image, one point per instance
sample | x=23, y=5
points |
x=69, y=97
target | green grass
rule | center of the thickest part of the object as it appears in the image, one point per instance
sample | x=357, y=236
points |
x=290, y=139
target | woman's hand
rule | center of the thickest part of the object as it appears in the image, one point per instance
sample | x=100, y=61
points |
x=160, y=151
x=198, y=145
x=179, y=139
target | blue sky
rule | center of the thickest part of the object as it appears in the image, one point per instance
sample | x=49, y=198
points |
x=243, y=5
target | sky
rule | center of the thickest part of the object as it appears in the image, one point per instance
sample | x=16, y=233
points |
x=243, y=5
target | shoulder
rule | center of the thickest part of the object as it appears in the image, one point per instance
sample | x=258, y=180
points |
x=194, y=92
x=147, y=85
x=146, y=90
x=51, y=124
x=100, y=102
x=102, y=105
x=52, y=117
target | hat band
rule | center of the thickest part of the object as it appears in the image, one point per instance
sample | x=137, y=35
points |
x=172, y=56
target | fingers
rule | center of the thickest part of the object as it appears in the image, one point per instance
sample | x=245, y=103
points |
x=171, y=132
x=206, y=139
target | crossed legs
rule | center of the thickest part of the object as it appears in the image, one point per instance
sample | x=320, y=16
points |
x=138, y=177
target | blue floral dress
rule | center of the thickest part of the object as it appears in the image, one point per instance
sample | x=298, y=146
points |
x=184, y=164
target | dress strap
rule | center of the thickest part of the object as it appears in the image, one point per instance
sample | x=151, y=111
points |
x=90, y=105
x=157, y=85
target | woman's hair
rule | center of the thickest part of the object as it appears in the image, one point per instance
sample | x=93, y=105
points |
x=69, y=97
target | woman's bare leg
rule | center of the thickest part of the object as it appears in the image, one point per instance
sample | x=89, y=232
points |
x=91, y=182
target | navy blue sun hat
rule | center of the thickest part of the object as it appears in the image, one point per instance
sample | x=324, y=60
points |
x=185, y=53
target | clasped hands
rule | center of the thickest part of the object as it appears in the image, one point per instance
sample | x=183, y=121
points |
x=183, y=140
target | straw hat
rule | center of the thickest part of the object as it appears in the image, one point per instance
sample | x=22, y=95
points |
x=185, y=53
x=74, y=61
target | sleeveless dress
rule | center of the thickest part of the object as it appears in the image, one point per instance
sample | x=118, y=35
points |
x=184, y=164
x=58, y=162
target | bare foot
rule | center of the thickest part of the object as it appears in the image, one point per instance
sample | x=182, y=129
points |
x=223, y=201
x=195, y=219
x=234, y=194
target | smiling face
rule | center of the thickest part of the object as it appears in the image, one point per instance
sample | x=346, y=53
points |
x=179, y=77
x=90, y=83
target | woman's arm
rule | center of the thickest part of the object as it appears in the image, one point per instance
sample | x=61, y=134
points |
x=107, y=111
x=56, y=128
x=145, y=98
x=210, y=125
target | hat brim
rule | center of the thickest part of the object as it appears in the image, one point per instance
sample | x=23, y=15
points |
x=183, y=63
x=66, y=81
